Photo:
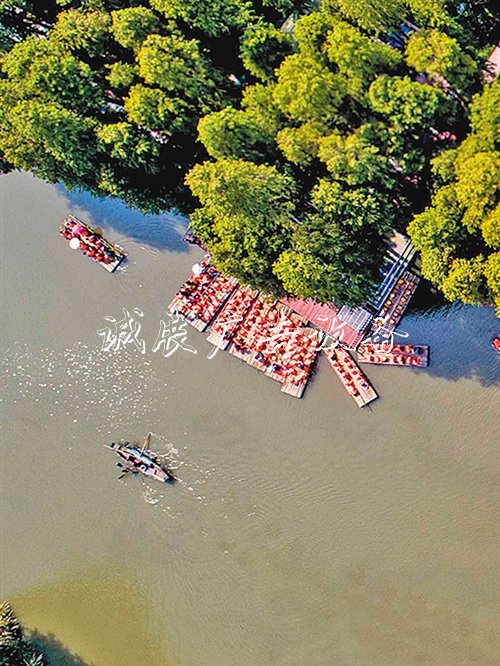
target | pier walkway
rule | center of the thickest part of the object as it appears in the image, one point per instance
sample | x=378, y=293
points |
x=275, y=336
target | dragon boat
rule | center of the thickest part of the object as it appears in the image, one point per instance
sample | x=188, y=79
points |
x=92, y=243
x=139, y=460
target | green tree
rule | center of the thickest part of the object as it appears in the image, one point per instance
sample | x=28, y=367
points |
x=441, y=57
x=443, y=167
x=258, y=102
x=310, y=33
x=409, y=105
x=14, y=649
x=158, y=66
x=154, y=109
x=375, y=16
x=263, y=48
x=10, y=636
x=125, y=142
x=440, y=225
x=33, y=660
x=409, y=109
x=492, y=274
x=355, y=160
x=52, y=142
x=358, y=58
x=431, y=13
x=490, y=228
x=303, y=274
x=306, y=90
x=235, y=134
x=82, y=31
x=335, y=251
x=45, y=70
x=300, y=144
x=466, y=281
x=244, y=219
x=457, y=233
x=214, y=17
x=485, y=115
x=132, y=25
x=477, y=186
x=178, y=66
x=122, y=76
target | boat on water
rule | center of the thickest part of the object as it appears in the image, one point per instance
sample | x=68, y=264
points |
x=495, y=343
x=92, y=243
x=139, y=460
x=394, y=354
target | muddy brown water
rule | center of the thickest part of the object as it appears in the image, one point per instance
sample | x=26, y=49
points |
x=301, y=532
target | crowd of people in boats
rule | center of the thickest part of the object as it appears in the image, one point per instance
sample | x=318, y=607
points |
x=233, y=313
x=394, y=354
x=269, y=336
x=91, y=244
x=397, y=301
x=350, y=375
x=201, y=296
x=278, y=343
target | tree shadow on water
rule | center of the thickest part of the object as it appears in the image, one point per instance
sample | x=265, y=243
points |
x=162, y=232
x=55, y=653
x=459, y=337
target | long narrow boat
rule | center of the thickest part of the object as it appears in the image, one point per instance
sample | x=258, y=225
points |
x=354, y=381
x=91, y=242
x=141, y=460
x=396, y=355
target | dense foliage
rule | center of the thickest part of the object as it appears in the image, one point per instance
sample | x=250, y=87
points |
x=351, y=126
x=14, y=649
x=459, y=234
x=106, y=94
x=295, y=147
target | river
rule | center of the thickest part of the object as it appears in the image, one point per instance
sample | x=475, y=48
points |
x=302, y=532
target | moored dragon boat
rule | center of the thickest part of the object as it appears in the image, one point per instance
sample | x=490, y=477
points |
x=91, y=242
x=393, y=354
x=139, y=460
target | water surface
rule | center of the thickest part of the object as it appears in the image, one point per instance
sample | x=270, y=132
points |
x=301, y=532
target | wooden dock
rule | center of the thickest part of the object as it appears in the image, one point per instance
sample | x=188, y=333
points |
x=397, y=355
x=230, y=316
x=201, y=297
x=394, y=307
x=353, y=379
x=275, y=341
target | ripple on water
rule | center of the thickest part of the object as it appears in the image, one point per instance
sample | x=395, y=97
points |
x=111, y=393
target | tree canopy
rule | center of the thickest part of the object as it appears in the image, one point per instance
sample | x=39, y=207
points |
x=106, y=95
x=14, y=649
x=295, y=144
x=459, y=234
x=348, y=117
x=246, y=217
